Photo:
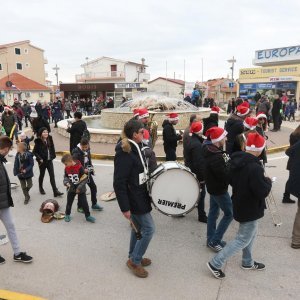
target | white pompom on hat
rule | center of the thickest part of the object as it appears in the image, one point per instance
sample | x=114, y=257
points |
x=255, y=142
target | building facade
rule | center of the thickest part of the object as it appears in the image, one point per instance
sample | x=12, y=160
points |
x=221, y=89
x=108, y=77
x=279, y=73
x=23, y=58
x=173, y=88
x=16, y=86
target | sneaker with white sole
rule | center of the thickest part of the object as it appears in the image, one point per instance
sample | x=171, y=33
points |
x=215, y=246
x=256, y=266
x=3, y=239
x=218, y=273
x=23, y=257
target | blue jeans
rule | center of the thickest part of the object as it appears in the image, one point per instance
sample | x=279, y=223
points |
x=201, y=203
x=243, y=241
x=138, y=248
x=215, y=233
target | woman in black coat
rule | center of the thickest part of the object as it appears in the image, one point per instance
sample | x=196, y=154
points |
x=294, y=138
x=44, y=152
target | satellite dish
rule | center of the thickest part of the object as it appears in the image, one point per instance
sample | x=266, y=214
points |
x=8, y=83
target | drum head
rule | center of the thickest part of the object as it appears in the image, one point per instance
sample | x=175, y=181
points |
x=108, y=196
x=175, y=192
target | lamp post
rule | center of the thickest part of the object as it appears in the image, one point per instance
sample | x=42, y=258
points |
x=232, y=62
x=56, y=68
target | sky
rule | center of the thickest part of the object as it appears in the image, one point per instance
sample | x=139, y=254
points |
x=159, y=31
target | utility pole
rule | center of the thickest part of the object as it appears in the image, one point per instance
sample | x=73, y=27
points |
x=167, y=94
x=232, y=62
x=56, y=68
x=184, y=70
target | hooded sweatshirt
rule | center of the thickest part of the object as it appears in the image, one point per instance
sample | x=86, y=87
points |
x=234, y=126
x=250, y=187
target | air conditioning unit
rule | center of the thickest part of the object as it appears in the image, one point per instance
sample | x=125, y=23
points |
x=41, y=94
x=27, y=94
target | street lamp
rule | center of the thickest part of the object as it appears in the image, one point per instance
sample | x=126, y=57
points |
x=232, y=62
x=56, y=68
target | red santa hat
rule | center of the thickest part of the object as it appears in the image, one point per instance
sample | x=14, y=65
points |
x=242, y=110
x=216, y=134
x=196, y=127
x=173, y=117
x=255, y=142
x=245, y=104
x=261, y=115
x=215, y=110
x=143, y=113
x=146, y=135
x=136, y=112
x=250, y=123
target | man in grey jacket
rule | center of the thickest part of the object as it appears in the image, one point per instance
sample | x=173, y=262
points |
x=6, y=202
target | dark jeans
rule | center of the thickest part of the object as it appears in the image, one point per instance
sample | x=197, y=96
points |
x=215, y=233
x=49, y=166
x=82, y=202
x=27, y=118
x=170, y=153
x=201, y=203
x=276, y=121
x=68, y=114
x=93, y=187
x=26, y=185
x=20, y=125
x=286, y=194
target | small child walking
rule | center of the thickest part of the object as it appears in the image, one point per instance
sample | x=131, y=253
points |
x=23, y=168
x=75, y=180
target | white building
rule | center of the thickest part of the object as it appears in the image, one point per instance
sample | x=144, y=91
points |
x=173, y=88
x=128, y=77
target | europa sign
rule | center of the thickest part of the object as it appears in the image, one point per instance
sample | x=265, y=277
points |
x=277, y=55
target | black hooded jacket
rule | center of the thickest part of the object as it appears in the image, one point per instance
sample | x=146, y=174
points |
x=216, y=169
x=194, y=156
x=234, y=126
x=169, y=135
x=250, y=187
x=130, y=194
x=294, y=167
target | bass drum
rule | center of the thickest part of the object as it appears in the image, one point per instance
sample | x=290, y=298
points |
x=174, y=189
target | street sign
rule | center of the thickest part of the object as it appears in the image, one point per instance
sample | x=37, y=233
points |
x=231, y=85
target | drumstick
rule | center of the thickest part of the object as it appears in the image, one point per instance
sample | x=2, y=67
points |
x=138, y=234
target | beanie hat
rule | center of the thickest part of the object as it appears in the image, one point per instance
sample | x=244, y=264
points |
x=173, y=117
x=261, y=115
x=250, y=123
x=215, y=110
x=255, y=142
x=196, y=127
x=143, y=113
x=242, y=110
x=216, y=134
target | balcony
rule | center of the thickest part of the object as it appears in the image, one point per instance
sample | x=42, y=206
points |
x=90, y=76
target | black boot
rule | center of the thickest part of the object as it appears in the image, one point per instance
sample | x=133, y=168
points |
x=42, y=191
x=58, y=193
x=287, y=199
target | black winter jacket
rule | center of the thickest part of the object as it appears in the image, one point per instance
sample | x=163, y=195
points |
x=234, y=126
x=194, y=156
x=78, y=154
x=5, y=192
x=294, y=167
x=294, y=138
x=39, y=123
x=211, y=121
x=130, y=194
x=76, y=132
x=250, y=187
x=40, y=150
x=169, y=135
x=216, y=169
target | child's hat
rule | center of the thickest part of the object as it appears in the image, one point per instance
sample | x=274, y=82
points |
x=173, y=116
x=216, y=134
x=242, y=110
x=255, y=142
x=143, y=113
x=196, y=127
x=215, y=110
x=250, y=123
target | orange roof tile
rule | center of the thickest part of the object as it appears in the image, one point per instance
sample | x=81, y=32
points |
x=22, y=83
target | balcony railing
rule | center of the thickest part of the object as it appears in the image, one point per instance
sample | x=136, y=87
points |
x=99, y=75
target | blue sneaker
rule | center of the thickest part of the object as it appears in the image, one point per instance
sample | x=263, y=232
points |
x=91, y=219
x=97, y=207
x=80, y=210
x=67, y=218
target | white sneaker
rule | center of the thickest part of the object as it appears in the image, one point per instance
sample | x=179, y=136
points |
x=3, y=239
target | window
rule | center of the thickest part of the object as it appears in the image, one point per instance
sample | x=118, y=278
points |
x=0, y=67
x=17, y=51
x=19, y=66
x=27, y=65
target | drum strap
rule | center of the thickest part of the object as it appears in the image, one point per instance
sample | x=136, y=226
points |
x=141, y=156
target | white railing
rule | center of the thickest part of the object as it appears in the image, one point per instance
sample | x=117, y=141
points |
x=99, y=75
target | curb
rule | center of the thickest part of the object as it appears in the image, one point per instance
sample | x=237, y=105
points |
x=162, y=158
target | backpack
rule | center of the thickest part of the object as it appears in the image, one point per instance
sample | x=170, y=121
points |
x=86, y=134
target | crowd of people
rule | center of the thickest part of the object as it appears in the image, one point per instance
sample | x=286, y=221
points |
x=234, y=155
x=219, y=157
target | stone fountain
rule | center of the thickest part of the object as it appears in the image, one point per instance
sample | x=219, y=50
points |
x=106, y=128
